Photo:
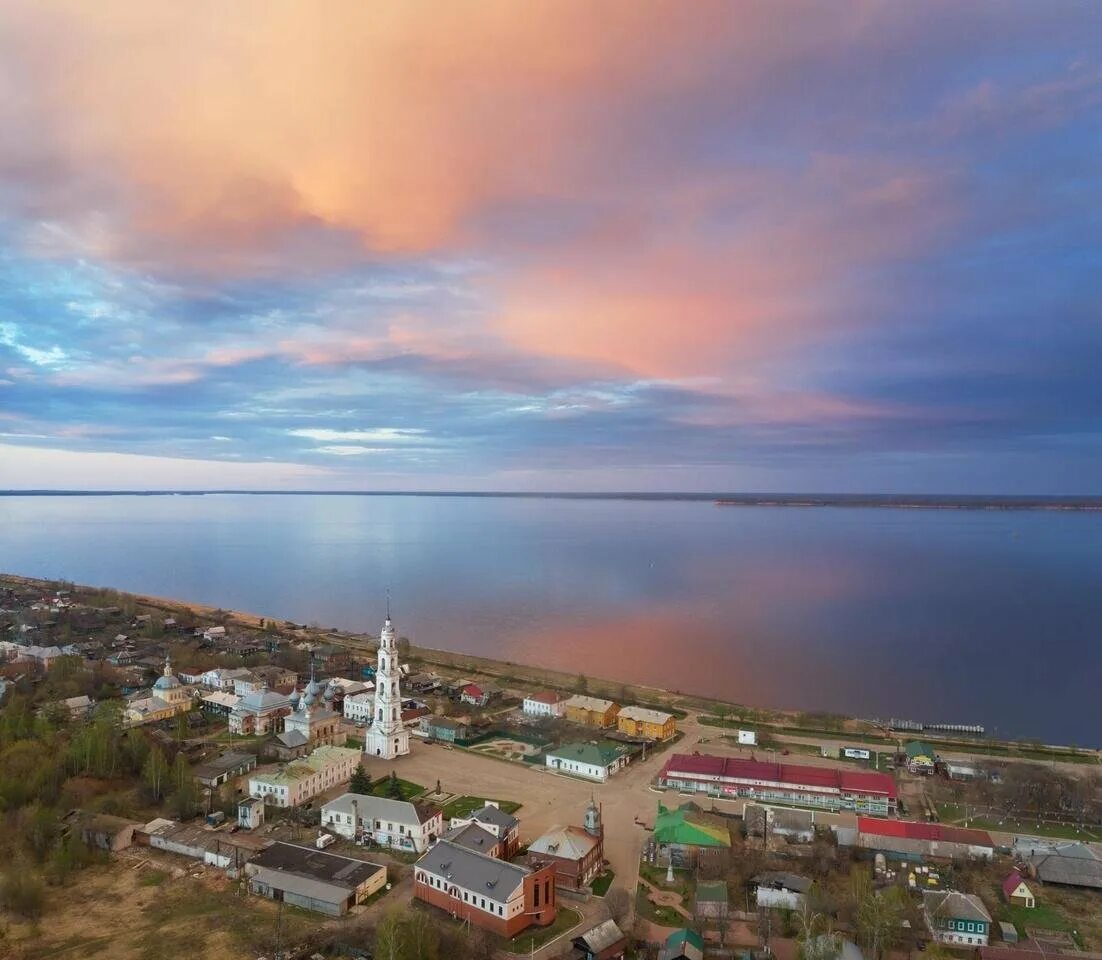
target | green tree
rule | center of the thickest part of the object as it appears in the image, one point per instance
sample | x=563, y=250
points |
x=22, y=892
x=184, y=798
x=422, y=936
x=360, y=782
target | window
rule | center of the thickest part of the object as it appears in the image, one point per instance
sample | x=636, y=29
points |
x=971, y=928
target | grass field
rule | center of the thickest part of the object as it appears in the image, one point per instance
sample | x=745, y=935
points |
x=535, y=937
x=1043, y=917
x=463, y=806
x=409, y=789
x=955, y=812
x=602, y=883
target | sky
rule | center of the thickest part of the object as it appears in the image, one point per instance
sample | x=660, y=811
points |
x=798, y=246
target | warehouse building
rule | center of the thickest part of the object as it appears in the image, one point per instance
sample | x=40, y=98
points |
x=313, y=879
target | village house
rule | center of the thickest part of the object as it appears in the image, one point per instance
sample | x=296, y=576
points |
x=606, y=941
x=546, y=703
x=447, y=729
x=479, y=694
x=401, y=824
x=504, y=898
x=921, y=757
x=473, y=837
x=76, y=708
x=956, y=918
x=300, y=780
x=313, y=879
x=646, y=723
x=591, y=761
x=576, y=853
x=495, y=821
x=1018, y=892
x=358, y=706
x=795, y=826
x=591, y=711
x=218, y=703
x=685, y=833
x=221, y=769
x=683, y=944
x=278, y=678
x=778, y=890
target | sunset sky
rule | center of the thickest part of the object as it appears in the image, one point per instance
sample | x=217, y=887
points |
x=830, y=246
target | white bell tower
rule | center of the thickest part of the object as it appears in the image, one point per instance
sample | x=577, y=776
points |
x=387, y=736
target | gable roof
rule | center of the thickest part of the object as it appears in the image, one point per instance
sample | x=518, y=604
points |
x=689, y=826
x=645, y=715
x=594, y=704
x=601, y=937
x=916, y=830
x=545, y=696
x=594, y=754
x=473, y=837
x=495, y=816
x=1012, y=882
x=569, y=843
x=380, y=808
x=781, y=880
x=954, y=904
x=1073, y=864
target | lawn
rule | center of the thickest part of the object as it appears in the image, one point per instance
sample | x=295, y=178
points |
x=602, y=883
x=664, y=916
x=954, y=813
x=409, y=789
x=464, y=806
x=535, y=937
x=1043, y=917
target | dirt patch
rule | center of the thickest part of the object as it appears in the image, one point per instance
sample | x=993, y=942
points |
x=115, y=911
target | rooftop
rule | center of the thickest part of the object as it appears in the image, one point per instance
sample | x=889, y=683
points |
x=734, y=768
x=595, y=754
x=645, y=715
x=474, y=871
x=954, y=904
x=569, y=843
x=545, y=696
x=380, y=808
x=915, y=830
x=317, y=864
x=594, y=704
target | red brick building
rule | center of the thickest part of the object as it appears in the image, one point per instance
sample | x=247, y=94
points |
x=505, y=898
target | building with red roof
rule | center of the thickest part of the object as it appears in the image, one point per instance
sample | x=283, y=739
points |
x=818, y=787
x=916, y=841
x=1017, y=891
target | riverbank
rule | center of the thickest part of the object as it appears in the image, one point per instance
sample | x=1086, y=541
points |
x=531, y=677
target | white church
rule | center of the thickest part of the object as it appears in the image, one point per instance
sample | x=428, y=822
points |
x=387, y=737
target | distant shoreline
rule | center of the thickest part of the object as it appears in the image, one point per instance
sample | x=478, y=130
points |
x=878, y=500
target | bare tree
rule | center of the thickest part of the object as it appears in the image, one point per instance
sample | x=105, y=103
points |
x=618, y=903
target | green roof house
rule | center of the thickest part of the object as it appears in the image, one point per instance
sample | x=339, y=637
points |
x=592, y=761
x=921, y=757
x=689, y=826
x=683, y=945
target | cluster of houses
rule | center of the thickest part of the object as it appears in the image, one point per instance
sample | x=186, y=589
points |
x=638, y=722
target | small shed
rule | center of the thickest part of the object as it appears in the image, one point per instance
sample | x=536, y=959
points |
x=105, y=832
x=606, y=941
x=1008, y=931
x=1018, y=892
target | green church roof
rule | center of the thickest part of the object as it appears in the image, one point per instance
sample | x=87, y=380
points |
x=688, y=826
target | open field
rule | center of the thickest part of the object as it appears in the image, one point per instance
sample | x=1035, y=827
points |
x=117, y=911
x=462, y=806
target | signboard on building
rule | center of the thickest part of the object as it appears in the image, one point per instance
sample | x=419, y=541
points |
x=747, y=737
x=856, y=753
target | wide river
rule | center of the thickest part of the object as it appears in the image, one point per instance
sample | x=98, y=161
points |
x=935, y=615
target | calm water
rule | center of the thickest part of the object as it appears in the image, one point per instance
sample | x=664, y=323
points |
x=936, y=615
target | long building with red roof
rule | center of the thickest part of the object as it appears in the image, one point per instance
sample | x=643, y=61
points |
x=823, y=788
x=914, y=840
